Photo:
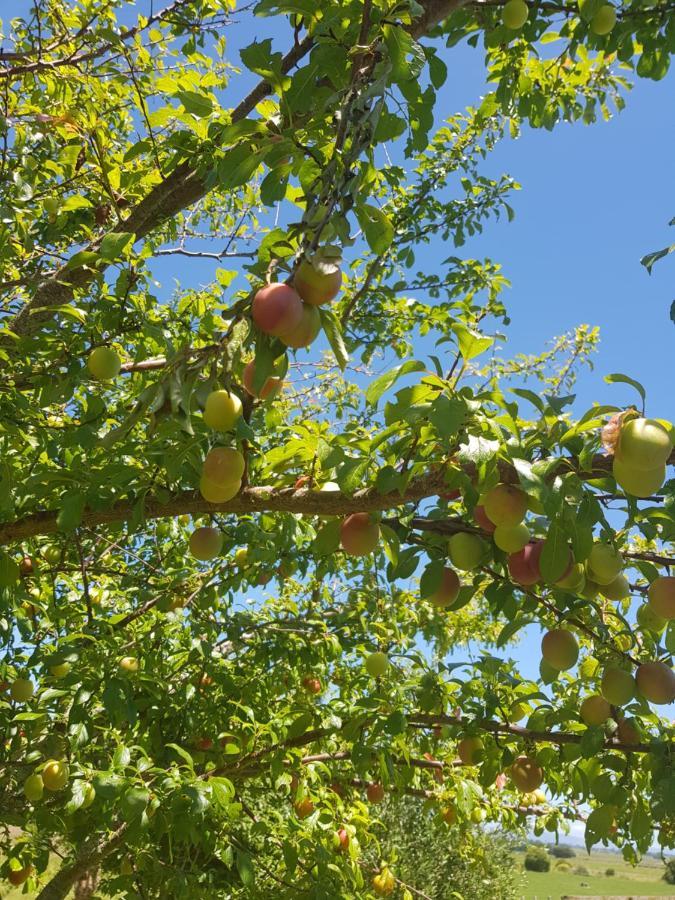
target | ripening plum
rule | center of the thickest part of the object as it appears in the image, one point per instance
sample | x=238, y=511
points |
x=206, y=543
x=604, y=563
x=515, y=14
x=617, y=686
x=375, y=792
x=218, y=493
x=524, y=566
x=470, y=750
x=33, y=788
x=644, y=444
x=481, y=519
x=447, y=591
x=60, y=670
x=129, y=665
x=650, y=620
x=511, y=538
x=303, y=808
x=270, y=388
x=277, y=309
x=595, y=710
x=604, y=20
x=661, y=596
x=314, y=286
x=560, y=649
x=104, y=363
x=22, y=690
x=223, y=465
x=377, y=664
x=305, y=332
x=617, y=589
x=221, y=410
x=384, y=883
x=505, y=504
x=466, y=551
x=55, y=775
x=573, y=581
x=638, y=482
x=359, y=534
x=526, y=774
x=590, y=590
x=656, y=682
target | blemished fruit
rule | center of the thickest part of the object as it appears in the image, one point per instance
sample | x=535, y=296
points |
x=22, y=690
x=223, y=466
x=661, y=596
x=638, y=482
x=447, y=591
x=104, y=363
x=305, y=331
x=470, y=750
x=271, y=386
x=481, y=519
x=617, y=686
x=505, y=505
x=560, y=649
x=524, y=566
x=465, y=551
x=384, y=883
x=312, y=684
x=60, y=670
x=9, y=571
x=303, y=808
x=617, y=589
x=604, y=563
x=377, y=664
x=604, y=20
x=277, y=309
x=222, y=410
x=511, y=538
x=595, y=710
x=515, y=14
x=19, y=876
x=526, y=774
x=218, y=493
x=206, y=543
x=643, y=443
x=359, y=534
x=656, y=682
x=55, y=775
x=650, y=620
x=315, y=287
x=129, y=665
x=33, y=788
x=375, y=792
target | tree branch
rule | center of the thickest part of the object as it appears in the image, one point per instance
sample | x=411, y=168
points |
x=90, y=856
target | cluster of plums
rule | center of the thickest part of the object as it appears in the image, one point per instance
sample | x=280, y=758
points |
x=516, y=13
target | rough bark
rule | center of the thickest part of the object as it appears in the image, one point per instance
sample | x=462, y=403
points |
x=88, y=859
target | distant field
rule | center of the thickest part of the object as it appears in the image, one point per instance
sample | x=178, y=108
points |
x=645, y=880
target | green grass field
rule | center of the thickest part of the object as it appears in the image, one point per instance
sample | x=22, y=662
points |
x=645, y=880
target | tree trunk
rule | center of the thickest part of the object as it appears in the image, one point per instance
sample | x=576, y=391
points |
x=84, y=867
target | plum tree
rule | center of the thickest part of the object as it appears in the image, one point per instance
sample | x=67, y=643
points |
x=505, y=505
x=277, y=309
x=656, y=682
x=466, y=551
x=206, y=543
x=447, y=591
x=319, y=282
x=661, y=596
x=104, y=363
x=222, y=410
x=271, y=386
x=526, y=774
x=359, y=534
x=595, y=710
x=560, y=649
x=617, y=686
x=55, y=775
x=515, y=14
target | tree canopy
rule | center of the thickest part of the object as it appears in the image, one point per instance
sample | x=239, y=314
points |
x=250, y=524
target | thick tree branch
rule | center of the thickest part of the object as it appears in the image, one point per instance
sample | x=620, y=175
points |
x=88, y=858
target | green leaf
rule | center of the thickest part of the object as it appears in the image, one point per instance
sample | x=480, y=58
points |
x=70, y=514
x=299, y=726
x=114, y=244
x=328, y=539
x=238, y=166
x=471, y=343
x=381, y=384
x=555, y=555
x=377, y=227
x=333, y=331
x=245, y=868
x=618, y=378
x=184, y=755
x=199, y=105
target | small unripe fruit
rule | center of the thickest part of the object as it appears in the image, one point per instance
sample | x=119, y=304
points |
x=213, y=492
x=661, y=596
x=270, y=387
x=241, y=556
x=617, y=589
x=375, y=793
x=88, y=796
x=341, y=840
x=638, y=482
x=604, y=563
x=377, y=664
x=595, y=710
x=306, y=331
x=649, y=620
x=560, y=649
x=60, y=670
x=22, y=690
x=515, y=14
x=315, y=287
x=643, y=443
x=129, y=664
x=33, y=788
x=277, y=309
x=222, y=410
x=447, y=591
x=26, y=566
x=55, y=775
x=574, y=580
x=206, y=543
x=656, y=682
x=526, y=774
x=505, y=505
x=590, y=590
x=104, y=363
x=617, y=686
x=384, y=883
x=359, y=535
x=466, y=551
x=604, y=20
x=470, y=750
x=511, y=538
